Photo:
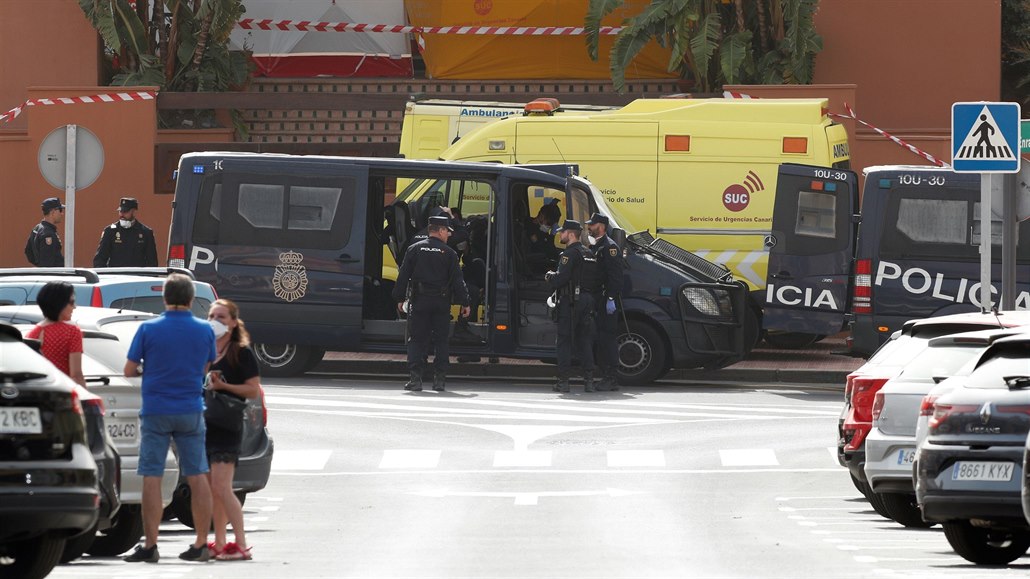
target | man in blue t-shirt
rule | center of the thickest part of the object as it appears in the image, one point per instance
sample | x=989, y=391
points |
x=176, y=350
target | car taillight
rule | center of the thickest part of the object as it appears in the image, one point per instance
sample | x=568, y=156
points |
x=854, y=436
x=862, y=392
x=942, y=412
x=96, y=404
x=1013, y=409
x=849, y=385
x=76, y=403
x=862, y=294
x=177, y=256
x=926, y=405
x=877, y=405
x=97, y=299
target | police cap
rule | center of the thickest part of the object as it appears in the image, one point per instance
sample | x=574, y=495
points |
x=571, y=225
x=51, y=203
x=440, y=221
x=127, y=203
x=598, y=218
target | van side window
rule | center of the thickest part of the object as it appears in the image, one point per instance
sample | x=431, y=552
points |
x=209, y=211
x=929, y=223
x=817, y=214
x=262, y=205
x=933, y=220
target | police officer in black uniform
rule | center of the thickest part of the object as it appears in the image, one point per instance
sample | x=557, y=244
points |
x=577, y=283
x=610, y=262
x=126, y=242
x=431, y=280
x=43, y=247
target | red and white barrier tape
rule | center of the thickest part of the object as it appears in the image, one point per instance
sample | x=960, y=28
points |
x=851, y=115
x=312, y=26
x=97, y=98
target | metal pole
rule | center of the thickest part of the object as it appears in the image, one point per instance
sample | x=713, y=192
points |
x=1009, y=239
x=69, y=196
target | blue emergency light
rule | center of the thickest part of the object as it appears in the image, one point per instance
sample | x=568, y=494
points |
x=830, y=186
x=885, y=183
x=198, y=169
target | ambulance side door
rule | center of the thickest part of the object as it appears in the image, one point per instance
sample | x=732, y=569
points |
x=811, y=248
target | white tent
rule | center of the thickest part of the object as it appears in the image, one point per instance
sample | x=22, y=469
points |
x=295, y=53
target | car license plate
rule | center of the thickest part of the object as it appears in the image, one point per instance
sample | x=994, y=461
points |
x=20, y=420
x=906, y=456
x=982, y=471
x=123, y=430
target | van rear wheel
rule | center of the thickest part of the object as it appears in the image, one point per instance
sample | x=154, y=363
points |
x=643, y=357
x=284, y=360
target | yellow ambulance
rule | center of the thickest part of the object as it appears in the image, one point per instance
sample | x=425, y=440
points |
x=701, y=173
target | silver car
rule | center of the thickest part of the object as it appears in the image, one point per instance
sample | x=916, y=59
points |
x=891, y=444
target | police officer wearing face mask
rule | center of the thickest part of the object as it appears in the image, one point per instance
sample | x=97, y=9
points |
x=610, y=262
x=43, y=247
x=126, y=242
x=577, y=282
x=431, y=280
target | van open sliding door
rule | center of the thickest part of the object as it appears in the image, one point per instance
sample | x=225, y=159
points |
x=811, y=247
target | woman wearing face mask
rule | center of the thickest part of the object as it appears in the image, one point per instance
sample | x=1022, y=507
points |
x=61, y=340
x=235, y=371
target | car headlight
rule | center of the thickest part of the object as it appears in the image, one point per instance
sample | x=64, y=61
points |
x=709, y=302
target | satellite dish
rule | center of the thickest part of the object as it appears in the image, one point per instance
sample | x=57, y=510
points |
x=89, y=157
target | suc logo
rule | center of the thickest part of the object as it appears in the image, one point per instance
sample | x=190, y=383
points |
x=737, y=196
x=483, y=7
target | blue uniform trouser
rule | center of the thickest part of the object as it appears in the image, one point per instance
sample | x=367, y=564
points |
x=429, y=330
x=575, y=334
x=606, y=348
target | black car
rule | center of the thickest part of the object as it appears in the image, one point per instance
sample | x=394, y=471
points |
x=969, y=469
x=49, y=489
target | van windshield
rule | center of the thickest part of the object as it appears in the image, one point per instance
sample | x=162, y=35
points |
x=615, y=220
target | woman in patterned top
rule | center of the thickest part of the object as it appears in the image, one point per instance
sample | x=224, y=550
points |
x=61, y=341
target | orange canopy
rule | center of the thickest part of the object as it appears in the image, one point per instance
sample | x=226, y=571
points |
x=454, y=56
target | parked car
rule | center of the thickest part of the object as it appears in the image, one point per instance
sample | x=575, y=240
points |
x=50, y=490
x=890, y=447
x=970, y=467
x=137, y=288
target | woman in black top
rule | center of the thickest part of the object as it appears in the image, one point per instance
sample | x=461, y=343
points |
x=235, y=371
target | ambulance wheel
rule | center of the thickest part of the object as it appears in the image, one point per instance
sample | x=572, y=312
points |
x=284, y=360
x=791, y=340
x=643, y=355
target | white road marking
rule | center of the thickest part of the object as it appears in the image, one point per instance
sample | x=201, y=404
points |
x=763, y=471
x=833, y=454
x=409, y=458
x=636, y=458
x=524, y=498
x=531, y=458
x=269, y=508
x=749, y=457
x=300, y=459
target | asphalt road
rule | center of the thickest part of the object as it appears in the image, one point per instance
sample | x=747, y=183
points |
x=512, y=480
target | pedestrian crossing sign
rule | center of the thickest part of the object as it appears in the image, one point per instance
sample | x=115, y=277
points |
x=985, y=137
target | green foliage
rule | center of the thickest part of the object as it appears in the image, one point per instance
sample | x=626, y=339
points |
x=776, y=45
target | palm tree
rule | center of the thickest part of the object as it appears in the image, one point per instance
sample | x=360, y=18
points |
x=716, y=41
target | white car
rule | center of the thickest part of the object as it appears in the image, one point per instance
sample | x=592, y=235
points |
x=890, y=447
x=106, y=335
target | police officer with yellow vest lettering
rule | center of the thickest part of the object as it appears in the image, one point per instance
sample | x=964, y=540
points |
x=430, y=280
x=577, y=283
x=126, y=242
x=609, y=260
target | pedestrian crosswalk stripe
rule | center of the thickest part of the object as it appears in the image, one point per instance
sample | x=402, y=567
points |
x=636, y=458
x=534, y=458
x=300, y=459
x=749, y=457
x=410, y=458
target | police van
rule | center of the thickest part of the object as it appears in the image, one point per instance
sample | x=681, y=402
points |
x=701, y=173
x=297, y=242
x=918, y=251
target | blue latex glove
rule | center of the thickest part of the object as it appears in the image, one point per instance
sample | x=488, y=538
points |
x=610, y=306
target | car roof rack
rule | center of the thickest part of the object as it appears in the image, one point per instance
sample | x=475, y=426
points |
x=89, y=275
x=147, y=271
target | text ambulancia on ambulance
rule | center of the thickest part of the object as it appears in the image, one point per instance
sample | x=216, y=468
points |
x=918, y=251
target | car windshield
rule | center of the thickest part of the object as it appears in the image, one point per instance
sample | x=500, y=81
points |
x=900, y=352
x=937, y=361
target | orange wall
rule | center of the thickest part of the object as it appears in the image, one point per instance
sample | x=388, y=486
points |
x=126, y=131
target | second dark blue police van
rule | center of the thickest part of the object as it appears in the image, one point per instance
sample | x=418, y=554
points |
x=308, y=246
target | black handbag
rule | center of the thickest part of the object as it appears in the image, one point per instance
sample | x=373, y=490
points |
x=224, y=410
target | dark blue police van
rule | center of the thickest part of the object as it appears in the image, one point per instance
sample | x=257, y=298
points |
x=307, y=245
x=918, y=251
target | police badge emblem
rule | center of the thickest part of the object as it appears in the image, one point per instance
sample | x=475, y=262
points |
x=564, y=259
x=290, y=281
x=613, y=251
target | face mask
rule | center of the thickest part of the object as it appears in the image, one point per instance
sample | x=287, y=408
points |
x=591, y=239
x=125, y=223
x=219, y=328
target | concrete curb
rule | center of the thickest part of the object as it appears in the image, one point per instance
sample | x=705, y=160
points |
x=833, y=379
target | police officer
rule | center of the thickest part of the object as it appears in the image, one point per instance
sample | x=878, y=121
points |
x=610, y=263
x=431, y=280
x=126, y=242
x=43, y=247
x=578, y=285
